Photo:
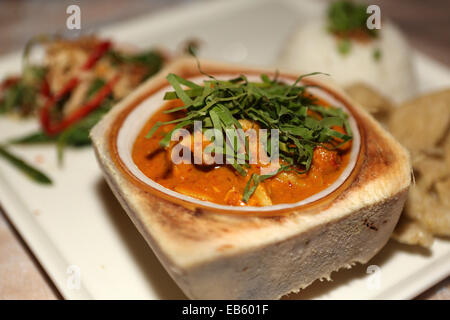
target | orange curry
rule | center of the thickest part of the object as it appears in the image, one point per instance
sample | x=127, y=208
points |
x=222, y=184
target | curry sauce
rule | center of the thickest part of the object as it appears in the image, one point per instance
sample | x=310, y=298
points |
x=221, y=184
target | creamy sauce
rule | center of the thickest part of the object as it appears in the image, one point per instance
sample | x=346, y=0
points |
x=222, y=184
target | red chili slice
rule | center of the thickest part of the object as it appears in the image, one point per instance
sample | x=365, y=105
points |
x=81, y=112
x=98, y=52
x=45, y=88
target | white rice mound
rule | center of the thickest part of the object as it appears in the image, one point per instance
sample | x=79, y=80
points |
x=312, y=49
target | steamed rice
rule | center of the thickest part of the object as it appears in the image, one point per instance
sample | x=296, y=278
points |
x=312, y=48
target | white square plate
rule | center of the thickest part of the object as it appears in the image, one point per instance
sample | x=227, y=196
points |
x=76, y=227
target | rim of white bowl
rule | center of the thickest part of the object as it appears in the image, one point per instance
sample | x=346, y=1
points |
x=139, y=116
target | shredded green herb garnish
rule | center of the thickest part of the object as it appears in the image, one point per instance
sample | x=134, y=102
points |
x=302, y=123
x=151, y=59
x=377, y=54
x=344, y=46
x=347, y=20
x=21, y=97
x=347, y=16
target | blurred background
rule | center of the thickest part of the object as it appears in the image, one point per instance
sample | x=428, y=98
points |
x=425, y=23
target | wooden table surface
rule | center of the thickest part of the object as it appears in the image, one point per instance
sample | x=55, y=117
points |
x=426, y=24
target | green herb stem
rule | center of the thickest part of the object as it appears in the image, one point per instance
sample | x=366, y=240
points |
x=30, y=171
